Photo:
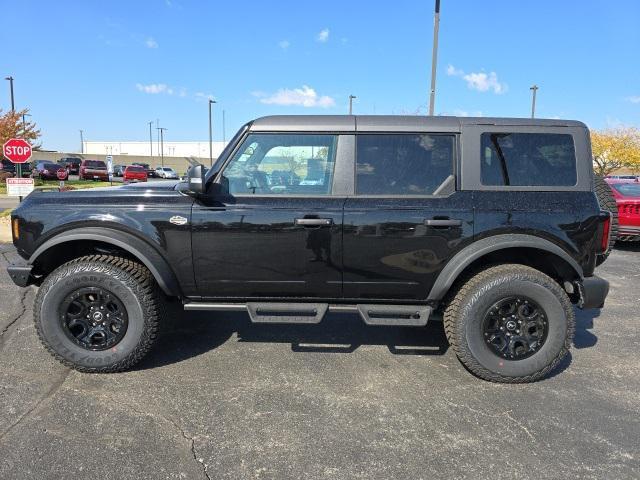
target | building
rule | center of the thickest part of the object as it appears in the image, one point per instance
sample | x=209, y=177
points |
x=169, y=149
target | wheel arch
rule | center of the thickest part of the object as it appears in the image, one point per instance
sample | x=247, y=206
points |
x=79, y=241
x=536, y=252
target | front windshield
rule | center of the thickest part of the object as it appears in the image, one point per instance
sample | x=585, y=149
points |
x=628, y=189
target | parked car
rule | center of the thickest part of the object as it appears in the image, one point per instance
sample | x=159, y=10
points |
x=492, y=224
x=72, y=164
x=10, y=167
x=134, y=173
x=166, y=172
x=118, y=170
x=94, y=170
x=49, y=171
x=151, y=172
x=627, y=196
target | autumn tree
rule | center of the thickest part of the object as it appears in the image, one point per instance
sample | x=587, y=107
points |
x=614, y=149
x=15, y=125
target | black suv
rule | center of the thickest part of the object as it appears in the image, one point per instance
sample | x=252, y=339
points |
x=72, y=164
x=491, y=224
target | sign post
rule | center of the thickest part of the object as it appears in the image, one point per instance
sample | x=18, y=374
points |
x=62, y=176
x=17, y=151
x=110, y=168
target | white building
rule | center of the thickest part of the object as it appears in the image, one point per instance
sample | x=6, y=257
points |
x=170, y=149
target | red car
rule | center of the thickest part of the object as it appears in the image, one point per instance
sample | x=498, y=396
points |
x=93, y=170
x=627, y=195
x=134, y=173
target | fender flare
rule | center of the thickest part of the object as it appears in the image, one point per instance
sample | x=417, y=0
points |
x=469, y=254
x=143, y=251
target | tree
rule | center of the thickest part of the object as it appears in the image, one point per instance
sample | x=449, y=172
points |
x=615, y=148
x=12, y=126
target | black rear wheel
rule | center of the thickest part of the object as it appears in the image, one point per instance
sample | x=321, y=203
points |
x=510, y=323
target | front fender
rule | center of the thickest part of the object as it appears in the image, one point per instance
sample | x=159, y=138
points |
x=140, y=249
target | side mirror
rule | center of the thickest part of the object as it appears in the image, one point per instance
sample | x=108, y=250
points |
x=195, y=178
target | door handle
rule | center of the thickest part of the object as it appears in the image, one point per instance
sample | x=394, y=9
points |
x=443, y=222
x=314, y=222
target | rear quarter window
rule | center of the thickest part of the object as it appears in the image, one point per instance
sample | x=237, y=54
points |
x=528, y=159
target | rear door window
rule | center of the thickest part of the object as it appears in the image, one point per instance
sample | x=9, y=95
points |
x=528, y=159
x=403, y=164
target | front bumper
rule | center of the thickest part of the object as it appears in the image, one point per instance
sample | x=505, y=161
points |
x=20, y=274
x=593, y=292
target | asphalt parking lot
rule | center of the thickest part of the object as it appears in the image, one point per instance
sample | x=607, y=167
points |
x=222, y=398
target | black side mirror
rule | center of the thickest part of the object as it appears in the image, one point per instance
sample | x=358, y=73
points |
x=195, y=177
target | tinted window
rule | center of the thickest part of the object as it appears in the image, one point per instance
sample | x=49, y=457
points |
x=135, y=169
x=404, y=164
x=282, y=164
x=95, y=164
x=528, y=159
x=627, y=189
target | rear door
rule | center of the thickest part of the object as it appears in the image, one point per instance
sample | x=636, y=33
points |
x=406, y=219
x=274, y=227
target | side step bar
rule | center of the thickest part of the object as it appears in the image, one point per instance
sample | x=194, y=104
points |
x=313, y=313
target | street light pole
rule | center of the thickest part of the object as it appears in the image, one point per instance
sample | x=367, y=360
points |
x=13, y=106
x=161, y=130
x=533, y=89
x=224, y=130
x=81, y=141
x=211, y=102
x=24, y=122
x=434, y=57
x=150, y=141
x=351, y=97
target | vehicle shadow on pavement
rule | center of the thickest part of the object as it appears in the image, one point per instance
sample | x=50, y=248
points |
x=189, y=334
x=628, y=246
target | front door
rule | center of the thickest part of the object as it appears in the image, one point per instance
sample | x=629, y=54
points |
x=407, y=219
x=275, y=228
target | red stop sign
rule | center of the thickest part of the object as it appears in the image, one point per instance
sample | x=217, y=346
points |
x=62, y=174
x=17, y=150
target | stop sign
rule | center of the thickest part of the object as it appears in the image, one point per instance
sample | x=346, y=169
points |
x=17, y=150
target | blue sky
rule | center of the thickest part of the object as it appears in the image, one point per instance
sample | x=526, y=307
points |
x=110, y=67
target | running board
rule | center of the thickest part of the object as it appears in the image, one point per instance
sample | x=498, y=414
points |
x=286, y=312
x=313, y=313
x=398, y=315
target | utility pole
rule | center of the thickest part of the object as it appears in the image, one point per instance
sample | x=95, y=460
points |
x=211, y=102
x=81, y=141
x=150, y=141
x=533, y=89
x=13, y=105
x=224, y=130
x=351, y=97
x=434, y=57
x=161, y=131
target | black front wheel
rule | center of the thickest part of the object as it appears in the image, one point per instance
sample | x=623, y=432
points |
x=510, y=323
x=98, y=313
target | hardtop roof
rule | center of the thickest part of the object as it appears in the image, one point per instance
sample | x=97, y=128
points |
x=373, y=123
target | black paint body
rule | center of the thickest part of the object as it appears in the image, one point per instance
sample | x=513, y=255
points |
x=374, y=248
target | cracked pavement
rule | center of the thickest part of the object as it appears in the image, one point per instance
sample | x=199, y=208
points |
x=222, y=398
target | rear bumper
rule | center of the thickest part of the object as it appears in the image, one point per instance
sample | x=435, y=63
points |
x=20, y=274
x=593, y=292
x=628, y=230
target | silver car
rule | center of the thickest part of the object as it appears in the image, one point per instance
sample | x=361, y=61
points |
x=166, y=172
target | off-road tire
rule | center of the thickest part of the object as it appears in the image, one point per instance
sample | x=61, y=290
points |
x=135, y=287
x=465, y=311
x=607, y=202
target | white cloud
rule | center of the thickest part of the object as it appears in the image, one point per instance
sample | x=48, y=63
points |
x=204, y=96
x=453, y=71
x=464, y=113
x=151, y=43
x=155, y=88
x=483, y=82
x=284, y=44
x=323, y=36
x=479, y=81
x=304, y=97
x=633, y=99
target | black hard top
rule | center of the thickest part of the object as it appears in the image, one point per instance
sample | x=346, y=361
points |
x=387, y=123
